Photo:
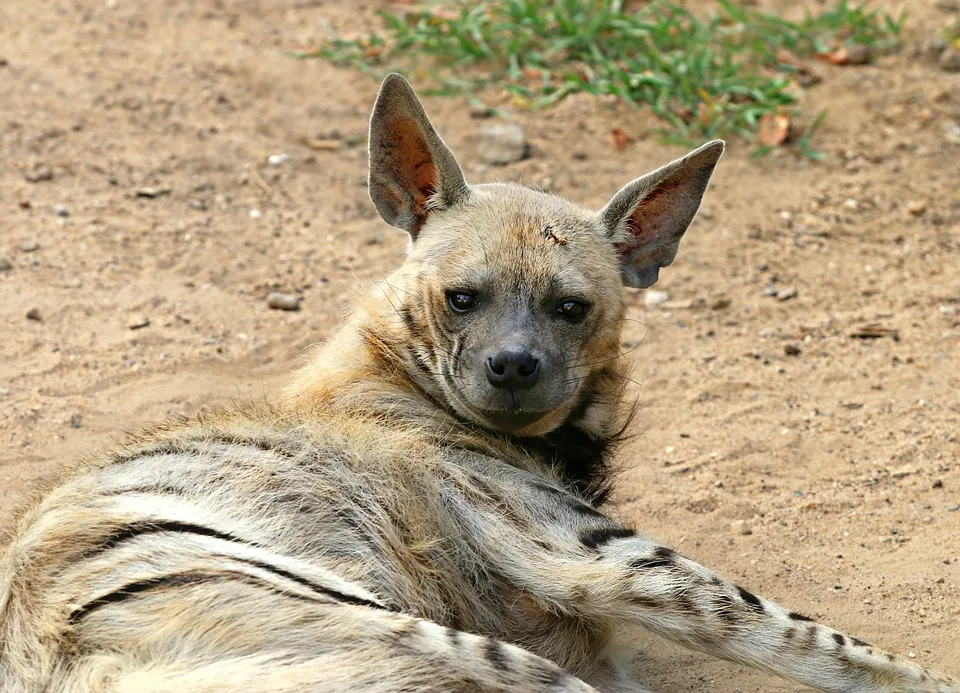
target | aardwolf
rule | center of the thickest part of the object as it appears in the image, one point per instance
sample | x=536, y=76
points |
x=418, y=511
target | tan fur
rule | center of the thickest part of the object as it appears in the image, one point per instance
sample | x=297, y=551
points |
x=374, y=529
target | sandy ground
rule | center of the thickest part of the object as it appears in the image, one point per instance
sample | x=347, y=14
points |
x=150, y=125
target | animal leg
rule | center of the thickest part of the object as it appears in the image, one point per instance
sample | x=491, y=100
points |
x=348, y=649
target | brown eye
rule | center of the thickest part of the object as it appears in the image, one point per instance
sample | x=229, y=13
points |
x=572, y=310
x=461, y=301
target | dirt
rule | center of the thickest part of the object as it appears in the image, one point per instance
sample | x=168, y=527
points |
x=145, y=227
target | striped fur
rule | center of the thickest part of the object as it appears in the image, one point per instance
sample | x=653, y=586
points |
x=369, y=530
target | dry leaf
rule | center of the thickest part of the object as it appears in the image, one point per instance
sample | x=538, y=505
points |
x=875, y=331
x=704, y=114
x=322, y=145
x=773, y=129
x=838, y=56
x=621, y=140
x=788, y=57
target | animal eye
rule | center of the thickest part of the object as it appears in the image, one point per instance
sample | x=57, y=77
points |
x=461, y=301
x=572, y=310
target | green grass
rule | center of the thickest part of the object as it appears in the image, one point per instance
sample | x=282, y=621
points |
x=703, y=76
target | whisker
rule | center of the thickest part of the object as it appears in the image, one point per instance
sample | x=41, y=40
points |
x=394, y=288
x=619, y=355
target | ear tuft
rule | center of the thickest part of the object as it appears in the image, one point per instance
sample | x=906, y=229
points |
x=412, y=172
x=647, y=218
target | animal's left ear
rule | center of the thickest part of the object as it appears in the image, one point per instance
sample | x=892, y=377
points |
x=647, y=218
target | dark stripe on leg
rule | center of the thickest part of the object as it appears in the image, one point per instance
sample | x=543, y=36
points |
x=662, y=558
x=143, y=528
x=312, y=586
x=134, y=589
x=496, y=655
x=595, y=538
x=584, y=509
x=751, y=600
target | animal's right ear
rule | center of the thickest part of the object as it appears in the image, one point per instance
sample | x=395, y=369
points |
x=412, y=172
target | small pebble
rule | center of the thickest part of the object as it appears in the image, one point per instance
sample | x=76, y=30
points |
x=502, y=143
x=38, y=174
x=953, y=508
x=858, y=54
x=480, y=111
x=138, y=322
x=255, y=214
x=5, y=265
x=930, y=49
x=917, y=207
x=741, y=527
x=150, y=193
x=951, y=131
x=61, y=210
x=769, y=290
x=950, y=59
x=278, y=159
x=281, y=301
x=76, y=421
x=29, y=245
x=786, y=294
x=721, y=303
x=791, y=350
x=34, y=314
x=653, y=297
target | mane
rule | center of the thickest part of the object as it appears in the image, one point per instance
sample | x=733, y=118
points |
x=584, y=459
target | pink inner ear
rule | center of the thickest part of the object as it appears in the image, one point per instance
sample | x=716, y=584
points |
x=646, y=225
x=411, y=161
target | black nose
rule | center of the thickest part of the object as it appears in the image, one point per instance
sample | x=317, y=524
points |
x=513, y=369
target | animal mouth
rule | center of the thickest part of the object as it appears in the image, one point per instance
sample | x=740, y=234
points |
x=512, y=419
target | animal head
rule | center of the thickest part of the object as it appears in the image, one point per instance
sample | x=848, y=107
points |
x=509, y=307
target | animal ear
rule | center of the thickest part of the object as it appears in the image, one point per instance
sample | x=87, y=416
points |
x=647, y=218
x=412, y=172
